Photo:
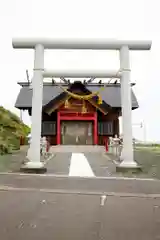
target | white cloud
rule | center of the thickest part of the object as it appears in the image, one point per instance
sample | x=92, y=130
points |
x=111, y=19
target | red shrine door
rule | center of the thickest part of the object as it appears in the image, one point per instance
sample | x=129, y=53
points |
x=76, y=132
x=77, y=128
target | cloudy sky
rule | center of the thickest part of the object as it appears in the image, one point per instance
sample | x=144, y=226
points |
x=125, y=19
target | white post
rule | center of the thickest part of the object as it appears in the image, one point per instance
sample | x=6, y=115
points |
x=127, y=152
x=37, y=85
x=144, y=132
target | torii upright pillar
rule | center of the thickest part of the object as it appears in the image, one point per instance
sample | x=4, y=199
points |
x=36, y=118
x=126, y=103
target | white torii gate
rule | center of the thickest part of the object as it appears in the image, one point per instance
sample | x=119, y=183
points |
x=39, y=45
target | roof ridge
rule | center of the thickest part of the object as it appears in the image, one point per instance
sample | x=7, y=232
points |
x=26, y=84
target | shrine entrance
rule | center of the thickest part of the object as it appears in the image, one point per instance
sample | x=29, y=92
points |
x=76, y=133
x=76, y=128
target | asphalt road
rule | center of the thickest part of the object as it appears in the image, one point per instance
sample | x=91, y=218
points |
x=78, y=184
x=43, y=215
x=64, y=208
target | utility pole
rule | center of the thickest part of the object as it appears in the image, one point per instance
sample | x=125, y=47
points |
x=21, y=115
x=144, y=132
x=142, y=125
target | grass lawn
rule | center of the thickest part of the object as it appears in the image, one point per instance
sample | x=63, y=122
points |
x=5, y=161
x=149, y=159
x=12, y=162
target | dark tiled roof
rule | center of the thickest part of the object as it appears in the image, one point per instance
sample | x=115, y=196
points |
x=111, y=95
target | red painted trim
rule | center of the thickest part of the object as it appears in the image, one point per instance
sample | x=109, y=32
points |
x=106, y=144
x=76, y=114
x=77, y=117
x=67, y=118
x=58, y=129
x=95, y=129
x=66, y=111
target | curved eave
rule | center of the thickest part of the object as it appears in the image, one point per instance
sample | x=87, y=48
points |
x=111, y=96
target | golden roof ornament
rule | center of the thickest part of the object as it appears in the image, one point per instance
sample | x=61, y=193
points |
x=84, y=109
x=66, y=105
x=99, y=100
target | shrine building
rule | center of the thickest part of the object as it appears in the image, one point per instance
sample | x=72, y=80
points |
x=78, y=113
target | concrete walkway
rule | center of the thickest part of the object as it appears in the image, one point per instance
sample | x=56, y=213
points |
x=81, y=164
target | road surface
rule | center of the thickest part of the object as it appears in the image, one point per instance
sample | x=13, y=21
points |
x=78, y=198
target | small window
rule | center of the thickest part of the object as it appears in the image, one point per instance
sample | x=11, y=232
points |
x=105, y=128
x=49, y=128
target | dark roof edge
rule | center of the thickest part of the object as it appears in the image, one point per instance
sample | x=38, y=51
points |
x=25, y=84
x=29, y=107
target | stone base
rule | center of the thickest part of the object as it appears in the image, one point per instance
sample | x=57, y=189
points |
x=33, y=167
x=129, y=167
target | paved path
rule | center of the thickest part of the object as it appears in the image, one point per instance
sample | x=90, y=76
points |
x=81, y=164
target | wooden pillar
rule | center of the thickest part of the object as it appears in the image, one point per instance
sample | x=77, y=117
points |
x=118, y=133
x=58, y=128
x=95, y=134
x=116, y=127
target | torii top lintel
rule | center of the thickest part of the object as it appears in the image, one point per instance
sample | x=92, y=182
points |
x=81, y=43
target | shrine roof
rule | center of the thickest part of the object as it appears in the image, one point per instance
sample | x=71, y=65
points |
x=111, y=94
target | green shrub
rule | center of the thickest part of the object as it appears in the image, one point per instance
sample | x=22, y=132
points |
x=11, y=129
x=5, y=148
